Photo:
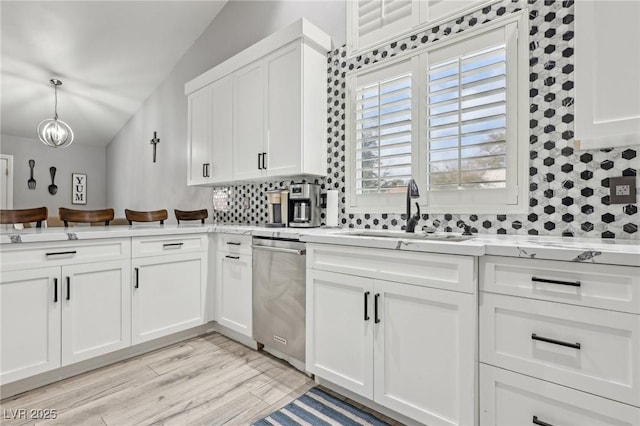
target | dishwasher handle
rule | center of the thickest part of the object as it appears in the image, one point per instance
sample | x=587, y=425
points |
x=281, y=250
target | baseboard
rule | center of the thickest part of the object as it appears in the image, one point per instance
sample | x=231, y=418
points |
x=367, y=402
x=39, y=380
x=234, y=335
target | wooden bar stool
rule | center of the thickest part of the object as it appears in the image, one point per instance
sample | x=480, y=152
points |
x=36, y=215
x=200, y=215
x=151, y=216
x=85, y=216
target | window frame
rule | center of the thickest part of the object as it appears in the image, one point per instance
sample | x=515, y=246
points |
x=457, y=201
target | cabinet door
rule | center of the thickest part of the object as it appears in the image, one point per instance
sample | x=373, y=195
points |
x=199, y=136
x=96, y=309
x=248, y=122
x=284, y=111
x=221, y=130
x=425, y=353
x=607, y=56
x=340, y=330
x=168, y=294
x=30, y=322
x=234, y=292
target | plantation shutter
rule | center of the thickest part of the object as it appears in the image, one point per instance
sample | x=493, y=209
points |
x=468, y=129
x=383, y=130
x=378, y=20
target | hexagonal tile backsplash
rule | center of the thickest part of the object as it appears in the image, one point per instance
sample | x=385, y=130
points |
x=568, y=191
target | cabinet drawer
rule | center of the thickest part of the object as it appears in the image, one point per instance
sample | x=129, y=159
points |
x=167, y=245
x=30, y=255
x=508, y=398
x=449, y=272
x=234, y=243
x=586, y=284
x=588, y=349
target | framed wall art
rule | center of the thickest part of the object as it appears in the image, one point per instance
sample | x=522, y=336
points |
x=78, y=188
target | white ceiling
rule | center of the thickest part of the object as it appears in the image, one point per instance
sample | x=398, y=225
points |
x=110, y=56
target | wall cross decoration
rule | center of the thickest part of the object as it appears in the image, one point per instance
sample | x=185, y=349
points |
x=154, y=142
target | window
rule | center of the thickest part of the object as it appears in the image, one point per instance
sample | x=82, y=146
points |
x=452, y=116
x=383, y=131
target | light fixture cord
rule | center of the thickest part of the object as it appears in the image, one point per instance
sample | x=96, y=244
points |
x=55, y=107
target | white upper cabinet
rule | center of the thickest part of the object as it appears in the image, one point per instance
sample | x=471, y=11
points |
x=199, y=136
x=248, y=122
x=607, y=88
x=273, y=122
x=374, y=22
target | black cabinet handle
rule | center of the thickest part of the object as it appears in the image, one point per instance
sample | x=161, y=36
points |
x=232, y=243
x=232, y=257
x=68, y=288
x=544, y=280
x=375, y=308
x=167, y=245
x=61, y=253
x=534, y=336
x=264, y=156
x=366, y=305
x=540, y=422
x=204, y=169
x=259, y=161
x=55, y=290
x=137, y=278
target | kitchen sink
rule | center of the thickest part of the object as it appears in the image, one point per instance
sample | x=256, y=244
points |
x=413, y=236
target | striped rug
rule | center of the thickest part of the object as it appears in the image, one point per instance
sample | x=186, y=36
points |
x=318, y=408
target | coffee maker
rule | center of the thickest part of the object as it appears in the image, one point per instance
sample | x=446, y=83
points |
x=304, y=205
x=277, y=208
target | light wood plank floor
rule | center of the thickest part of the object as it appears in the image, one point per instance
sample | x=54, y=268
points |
x=206, y=380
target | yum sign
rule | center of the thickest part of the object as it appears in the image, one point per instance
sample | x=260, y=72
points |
x=79, y=188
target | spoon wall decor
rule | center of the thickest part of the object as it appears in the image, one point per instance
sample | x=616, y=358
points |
x=53, y=188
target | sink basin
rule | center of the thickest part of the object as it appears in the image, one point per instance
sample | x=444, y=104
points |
x=412, y=236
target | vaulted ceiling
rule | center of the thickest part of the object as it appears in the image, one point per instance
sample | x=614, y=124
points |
x=110, y=56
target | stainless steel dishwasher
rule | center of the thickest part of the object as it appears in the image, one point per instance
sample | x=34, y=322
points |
x=279, y=298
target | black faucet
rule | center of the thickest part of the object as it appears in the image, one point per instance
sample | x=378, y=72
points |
x=412, y=192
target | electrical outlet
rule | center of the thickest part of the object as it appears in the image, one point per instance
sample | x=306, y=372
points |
x=622, y=190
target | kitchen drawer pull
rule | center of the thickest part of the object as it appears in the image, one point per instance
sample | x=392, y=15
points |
x=171, y=245
x=55, y=290
x=366, y=304
x=68, y=288
x=137, y=277
x=540, y=422
x=233, y=243
x=545, y=280
x=232, y=257
x=534, y=336
x=375, y=308
x=264, y=156
x=62, y=253
x=259, y=161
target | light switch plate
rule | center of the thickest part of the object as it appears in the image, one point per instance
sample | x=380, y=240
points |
x=622, y=190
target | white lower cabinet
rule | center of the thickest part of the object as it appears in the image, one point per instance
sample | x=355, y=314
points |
x=58, y=316
x=409, y=348
x=234, y=291
x=340, y=330
x=30, y=309
x=96, y=309
x=169, y=294
x=508, y=398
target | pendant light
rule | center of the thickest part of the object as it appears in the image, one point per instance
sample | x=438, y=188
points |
x=53, y=132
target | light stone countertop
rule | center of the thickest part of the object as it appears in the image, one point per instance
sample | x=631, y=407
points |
x=592, y=250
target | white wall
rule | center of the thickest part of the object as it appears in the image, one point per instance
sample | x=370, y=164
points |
x=133, y=180
x=75, y=159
